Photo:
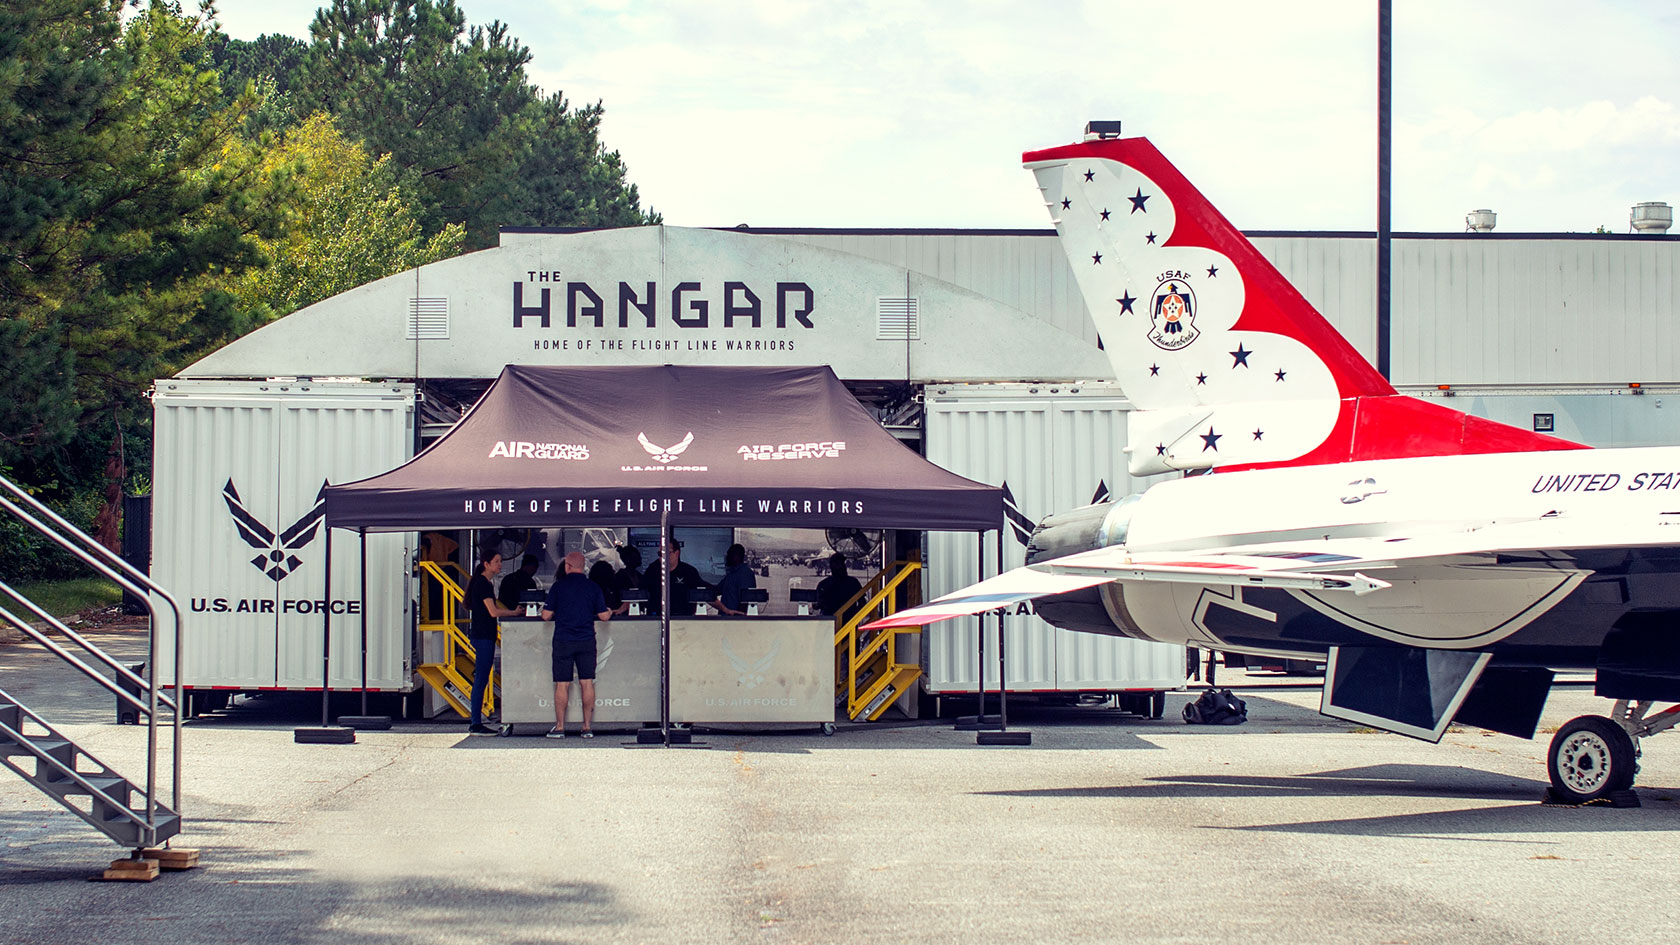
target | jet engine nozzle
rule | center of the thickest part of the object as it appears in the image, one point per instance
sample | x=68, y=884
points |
x=1066, y=533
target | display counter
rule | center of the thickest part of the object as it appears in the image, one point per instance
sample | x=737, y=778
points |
x=723, y=669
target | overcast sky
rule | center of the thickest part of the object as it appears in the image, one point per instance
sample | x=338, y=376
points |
x=1559, y=116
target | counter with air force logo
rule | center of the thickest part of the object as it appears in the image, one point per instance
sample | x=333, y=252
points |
x=751, y=669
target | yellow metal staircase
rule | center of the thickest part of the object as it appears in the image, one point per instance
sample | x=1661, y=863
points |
x=870, y=671
x=452, y=676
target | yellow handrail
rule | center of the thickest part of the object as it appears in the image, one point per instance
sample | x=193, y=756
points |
x=877, y=598
x=456, y=641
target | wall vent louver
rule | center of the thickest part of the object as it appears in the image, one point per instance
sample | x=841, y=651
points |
x=428, y=319
x=897, y=320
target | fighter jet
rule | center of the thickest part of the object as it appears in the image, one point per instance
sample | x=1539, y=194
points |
x=1444, y=567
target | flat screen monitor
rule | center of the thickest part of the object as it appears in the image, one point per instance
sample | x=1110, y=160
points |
x=701, y=547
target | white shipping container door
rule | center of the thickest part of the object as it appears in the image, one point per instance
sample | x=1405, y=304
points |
x=237, y=537
x=1054, y=451
x=342, y=440
x=1007, y=442
x=207, y=452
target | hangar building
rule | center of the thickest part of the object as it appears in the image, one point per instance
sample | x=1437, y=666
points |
x=972, y=346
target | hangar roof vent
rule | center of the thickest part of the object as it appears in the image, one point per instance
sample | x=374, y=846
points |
x=1481, y=221
x=1651, y=216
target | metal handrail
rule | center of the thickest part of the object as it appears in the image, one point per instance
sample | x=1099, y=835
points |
x=874, y=599
x=455, y=641
x=70, y=657
x=879, y=593
x=128, y=577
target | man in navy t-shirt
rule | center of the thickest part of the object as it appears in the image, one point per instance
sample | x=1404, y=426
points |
x=574, y=604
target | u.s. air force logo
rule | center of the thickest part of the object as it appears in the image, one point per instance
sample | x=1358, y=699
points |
x=1172, y=312
x=276, y=559
x=750, y=675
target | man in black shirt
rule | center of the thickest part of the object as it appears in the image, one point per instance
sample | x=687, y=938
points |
x=839, y=587
x=516, y=584
x=684, y=578
x=574, y=603
x=485, y=609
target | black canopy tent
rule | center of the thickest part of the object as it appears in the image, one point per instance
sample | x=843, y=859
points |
x=618, y=445
x=672, y=445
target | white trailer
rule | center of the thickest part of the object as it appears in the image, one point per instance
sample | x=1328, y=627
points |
x=1055, y=447
x=238, y=468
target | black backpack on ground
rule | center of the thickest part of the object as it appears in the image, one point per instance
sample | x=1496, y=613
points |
x=1216, y=707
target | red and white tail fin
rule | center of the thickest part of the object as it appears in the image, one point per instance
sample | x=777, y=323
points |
x=1228, y=365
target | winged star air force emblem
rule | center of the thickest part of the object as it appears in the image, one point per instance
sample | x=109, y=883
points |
x=665, y=453
x=277, y=559
x=1172, y=315
x=751, y=675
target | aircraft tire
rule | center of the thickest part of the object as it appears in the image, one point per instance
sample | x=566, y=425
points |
x=1590, y=757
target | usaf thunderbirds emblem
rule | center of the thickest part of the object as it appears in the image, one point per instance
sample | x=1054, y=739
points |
x=1172, y=313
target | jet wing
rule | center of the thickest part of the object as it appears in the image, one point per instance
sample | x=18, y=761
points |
x=1335, y=564
x=1103, y=565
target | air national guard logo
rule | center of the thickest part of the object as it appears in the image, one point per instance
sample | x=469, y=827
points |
x=1172, y=313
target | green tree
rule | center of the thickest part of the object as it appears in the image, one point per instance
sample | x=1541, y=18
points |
x=455, y=110
x=349, y=223
x=123, y=207
x=270, y=66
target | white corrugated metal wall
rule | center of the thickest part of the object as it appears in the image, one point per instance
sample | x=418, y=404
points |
x=275, y=444
x=1053, y=448
x=1466, y=310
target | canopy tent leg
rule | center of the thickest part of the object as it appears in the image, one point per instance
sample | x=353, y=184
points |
x=980, y=720
x=665, y=735
x=664, y=625
x=1003, y=736
x=326, y=734
x=365, y=722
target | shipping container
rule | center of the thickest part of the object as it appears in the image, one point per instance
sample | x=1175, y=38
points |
x=1606, y=416
x=238, y=471
x=1053, y=447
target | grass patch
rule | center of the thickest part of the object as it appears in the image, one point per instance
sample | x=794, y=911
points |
x=64, y=598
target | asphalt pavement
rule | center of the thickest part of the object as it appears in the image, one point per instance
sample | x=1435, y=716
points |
x=1293, y=828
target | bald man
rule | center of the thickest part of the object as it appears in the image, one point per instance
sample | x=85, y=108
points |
x=574, y=604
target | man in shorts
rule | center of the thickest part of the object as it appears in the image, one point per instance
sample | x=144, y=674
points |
x=574, y=603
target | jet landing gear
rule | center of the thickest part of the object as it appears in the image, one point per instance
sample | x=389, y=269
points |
x=1593, y=757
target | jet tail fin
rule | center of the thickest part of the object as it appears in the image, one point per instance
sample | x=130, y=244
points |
x=1227, y=363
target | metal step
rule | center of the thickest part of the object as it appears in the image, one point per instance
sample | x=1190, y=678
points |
x=65, y=771
x=83, y=784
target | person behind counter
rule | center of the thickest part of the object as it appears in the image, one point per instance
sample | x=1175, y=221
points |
x=629, y=577
x=737, y=577
x=604, y=578
x=516, y=584
x=574, y=603
x=684, y=578
x=839, y=587
x=481, y=599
